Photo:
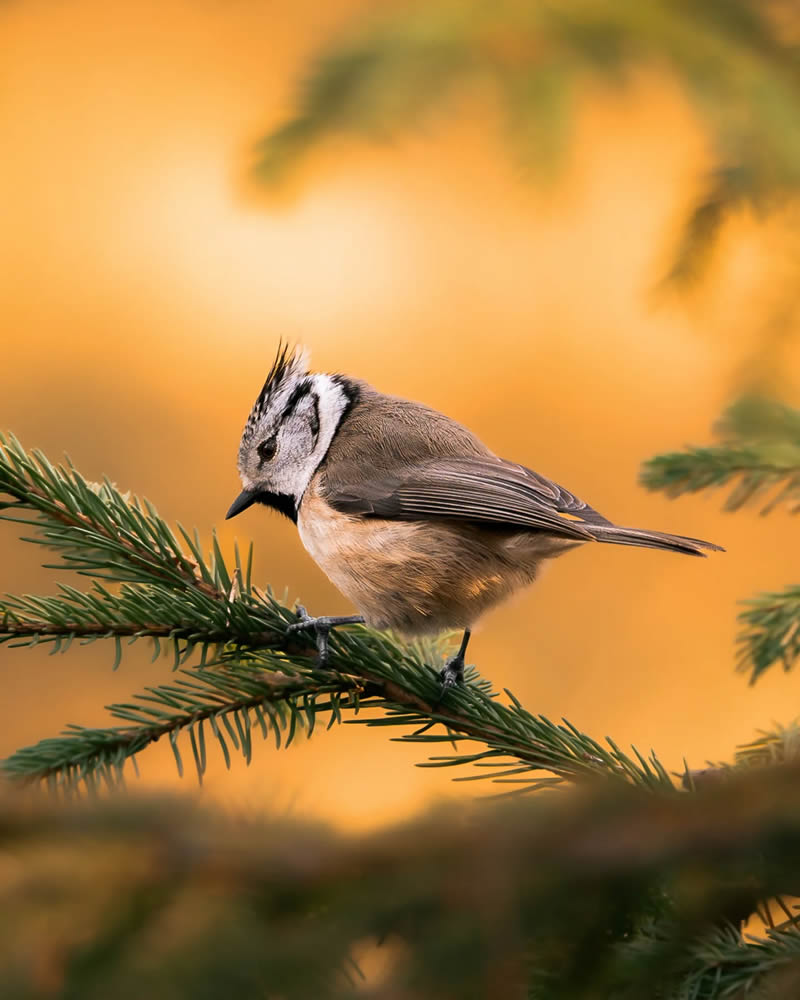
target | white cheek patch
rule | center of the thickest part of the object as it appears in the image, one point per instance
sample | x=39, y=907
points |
x=331, y=405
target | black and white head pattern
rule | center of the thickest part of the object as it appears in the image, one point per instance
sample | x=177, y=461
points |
x=290, y=429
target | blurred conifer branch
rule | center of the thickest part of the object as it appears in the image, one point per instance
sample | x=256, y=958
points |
x=759, y=455
x=780, y=745
x=759, y=452
x=769, y=634
x=738, y=60
x=247, y=676
x=612, y=893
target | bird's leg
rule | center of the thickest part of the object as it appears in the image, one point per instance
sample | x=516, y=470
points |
x=451, y=674
x=322, y=627
x=453, y=671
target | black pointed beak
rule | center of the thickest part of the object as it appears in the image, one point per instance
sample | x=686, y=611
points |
x=245, y=499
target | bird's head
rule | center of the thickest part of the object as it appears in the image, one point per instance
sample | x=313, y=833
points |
x=288, y=433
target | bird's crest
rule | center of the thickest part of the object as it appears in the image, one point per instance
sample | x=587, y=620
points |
x=290, y=363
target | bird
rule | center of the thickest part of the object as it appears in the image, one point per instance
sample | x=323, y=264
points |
x=407, y=512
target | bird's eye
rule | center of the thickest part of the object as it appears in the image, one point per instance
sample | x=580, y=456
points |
x=266, y=450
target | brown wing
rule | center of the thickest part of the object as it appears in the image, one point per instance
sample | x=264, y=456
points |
x=484, y=490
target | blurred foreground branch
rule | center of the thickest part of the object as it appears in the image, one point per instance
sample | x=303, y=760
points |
x=610, y=893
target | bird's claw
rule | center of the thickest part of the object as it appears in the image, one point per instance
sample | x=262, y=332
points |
x=304, y=620
x=322, y=627
x=452, y=674
x=323, y=623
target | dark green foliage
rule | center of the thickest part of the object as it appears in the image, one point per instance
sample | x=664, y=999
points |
x=736, y=62
x=759, y=456
x=614, y=892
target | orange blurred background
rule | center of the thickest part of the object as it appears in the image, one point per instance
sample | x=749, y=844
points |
x=145, y=285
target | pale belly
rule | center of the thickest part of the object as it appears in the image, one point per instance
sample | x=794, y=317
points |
x=419, y=577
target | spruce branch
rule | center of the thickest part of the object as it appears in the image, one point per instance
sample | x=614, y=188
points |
x=759, y=452
x=227, y=703
x=770, y=632
x=721, y=963
x=759, y=455
x=780, y=745
x=250, y=674
x=275, y=694
x=97, y=530
x=734, y=61
x=755, y=470
x=613, y=893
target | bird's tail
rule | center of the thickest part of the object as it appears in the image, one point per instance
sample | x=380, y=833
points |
x=615, y=535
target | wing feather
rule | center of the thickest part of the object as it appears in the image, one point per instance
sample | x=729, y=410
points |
x=482, y=490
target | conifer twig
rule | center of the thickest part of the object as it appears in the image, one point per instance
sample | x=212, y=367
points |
x=759, y=455
x=770, y=632
x=759, y=450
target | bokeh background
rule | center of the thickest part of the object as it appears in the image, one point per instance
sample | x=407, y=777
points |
x=145, y=280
